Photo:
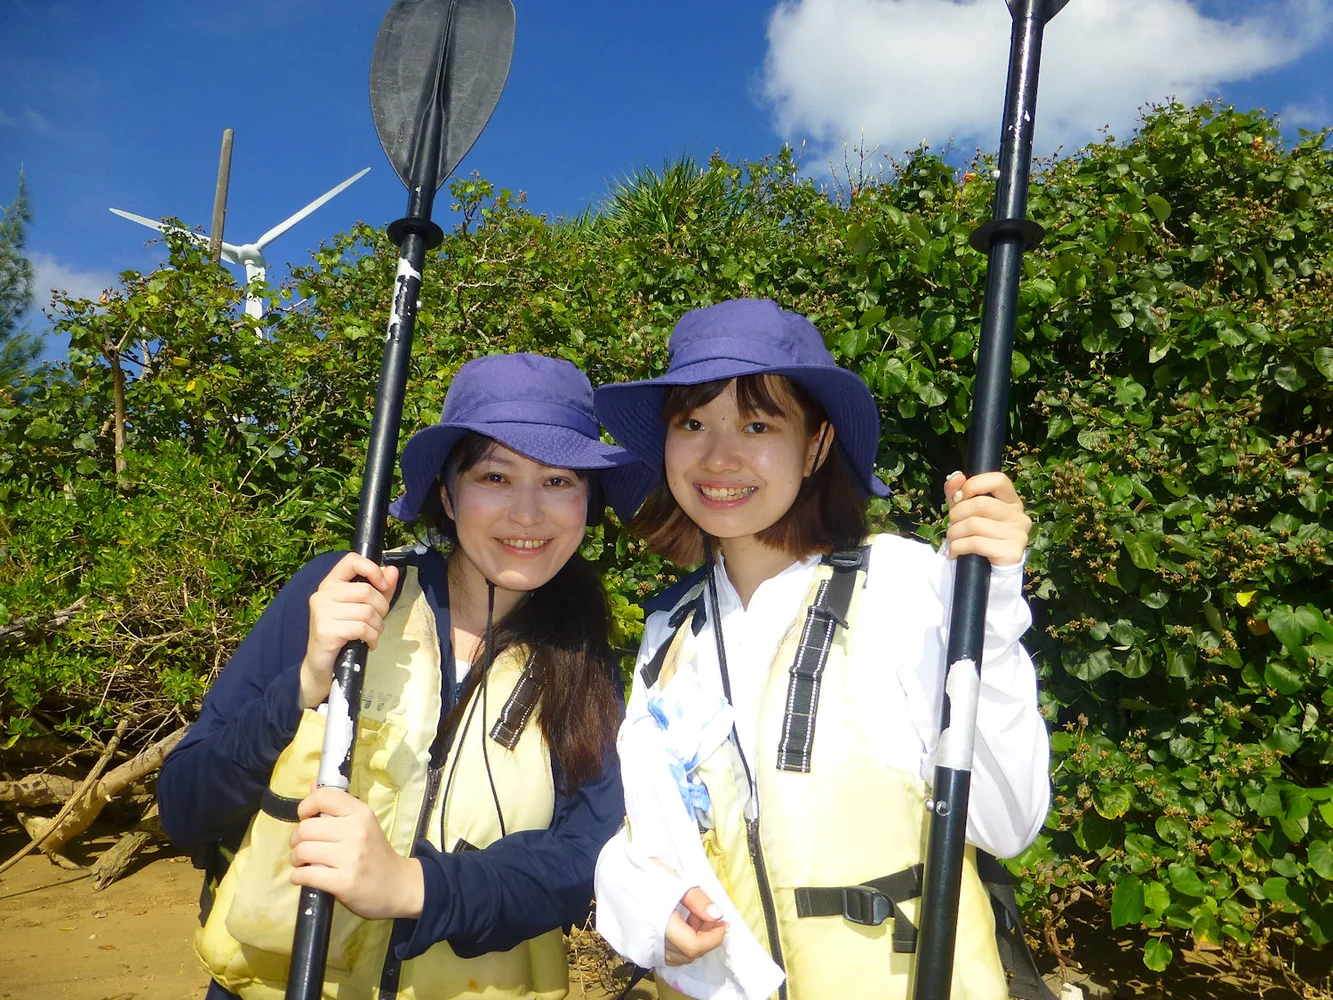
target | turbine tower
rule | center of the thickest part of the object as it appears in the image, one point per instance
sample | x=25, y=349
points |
x=251, y=255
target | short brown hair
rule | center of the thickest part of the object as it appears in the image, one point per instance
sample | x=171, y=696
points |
x=827, y=514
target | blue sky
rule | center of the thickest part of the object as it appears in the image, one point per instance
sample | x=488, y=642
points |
x=123, y=104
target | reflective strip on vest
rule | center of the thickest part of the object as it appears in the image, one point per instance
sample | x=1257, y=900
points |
x=245, y=942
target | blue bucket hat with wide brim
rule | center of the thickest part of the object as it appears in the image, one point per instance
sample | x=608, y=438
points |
x=747, y=337
x=540, y=407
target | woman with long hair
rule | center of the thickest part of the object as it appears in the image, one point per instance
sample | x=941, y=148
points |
x=484, y=781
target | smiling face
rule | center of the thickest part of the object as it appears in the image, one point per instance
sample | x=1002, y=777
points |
x=736, y=473
x=517, y=521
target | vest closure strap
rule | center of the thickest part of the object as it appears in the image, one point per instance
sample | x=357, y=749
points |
x=868, y=904
x=829, y=610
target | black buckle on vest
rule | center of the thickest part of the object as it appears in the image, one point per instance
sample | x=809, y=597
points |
x=866, y=906
x=847, y=558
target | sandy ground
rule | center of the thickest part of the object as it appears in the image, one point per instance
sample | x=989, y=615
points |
x=128, y=942
x=60, y=940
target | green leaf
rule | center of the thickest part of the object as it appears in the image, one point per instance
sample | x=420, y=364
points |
x=1156, y=897
x=1157, y=954
x=1320, y=858
x=1323, y=360
x=1093, y=831
x=1289, y=377
x=1142, y=549
x=1137, y=664
x=1127, y=905
x=1186, y=880
x=1275, y=890
x=1113, y=801
x=1159, y=206
x=1283, y=679
x=1288, y=626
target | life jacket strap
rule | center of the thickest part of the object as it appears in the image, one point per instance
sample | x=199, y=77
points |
x=876, y=900
x=822, y=618
x=518, y=707
x=1025, y=981
x=653, y=668
x=869, y=904
x=280, y=807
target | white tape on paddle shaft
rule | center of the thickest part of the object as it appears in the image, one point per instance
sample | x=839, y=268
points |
x=963, y=686
x=338, y=729
x=400, y=300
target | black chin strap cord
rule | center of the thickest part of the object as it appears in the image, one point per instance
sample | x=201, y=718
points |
x=490, y=659
x=472, y=710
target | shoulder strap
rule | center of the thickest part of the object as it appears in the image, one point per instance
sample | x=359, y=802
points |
x=1025, y=982
x=518, y=708
x=828, y=611
x=689, y=609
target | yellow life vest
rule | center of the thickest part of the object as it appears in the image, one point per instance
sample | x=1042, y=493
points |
x=833, y=819
x=245, y=941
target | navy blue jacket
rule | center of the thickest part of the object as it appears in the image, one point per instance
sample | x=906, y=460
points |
x=479, y=901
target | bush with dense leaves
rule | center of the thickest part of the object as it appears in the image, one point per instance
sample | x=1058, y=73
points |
x=1169, y=429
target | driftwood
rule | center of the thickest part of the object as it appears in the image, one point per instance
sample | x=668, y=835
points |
x=112, y=865
x=85, y=803
x=33, y=626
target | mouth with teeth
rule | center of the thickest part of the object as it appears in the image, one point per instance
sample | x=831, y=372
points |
x=525, y=544
x=724, y=494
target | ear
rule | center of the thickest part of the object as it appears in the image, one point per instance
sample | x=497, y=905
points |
x=821, y=443
x=447, y=503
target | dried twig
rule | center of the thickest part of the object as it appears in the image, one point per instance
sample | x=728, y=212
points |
x=68, y=808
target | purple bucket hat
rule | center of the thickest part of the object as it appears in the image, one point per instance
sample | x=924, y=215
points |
x=748, y=337
x=540, y=407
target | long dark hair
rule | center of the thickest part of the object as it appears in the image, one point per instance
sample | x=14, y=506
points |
x=564, y=624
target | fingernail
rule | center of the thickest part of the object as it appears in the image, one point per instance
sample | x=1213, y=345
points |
x=956, y=472
x=714, y=912
x=958, y=497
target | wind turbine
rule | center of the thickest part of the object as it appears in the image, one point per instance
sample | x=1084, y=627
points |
x=249, y=254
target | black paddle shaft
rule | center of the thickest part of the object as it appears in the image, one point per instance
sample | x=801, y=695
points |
x=436, y=75
x=1005, y=238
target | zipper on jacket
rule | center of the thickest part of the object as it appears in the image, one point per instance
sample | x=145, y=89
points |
x=392, y=970
x=751, y=825
x=765, y=896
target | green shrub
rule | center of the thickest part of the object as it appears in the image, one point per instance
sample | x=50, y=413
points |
x=1169, y=428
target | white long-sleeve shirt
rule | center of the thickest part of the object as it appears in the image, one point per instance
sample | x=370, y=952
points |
x=897, y=656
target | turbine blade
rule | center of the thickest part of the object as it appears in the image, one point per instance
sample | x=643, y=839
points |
x=161, y=227
x=150, y=223
x=287, y=224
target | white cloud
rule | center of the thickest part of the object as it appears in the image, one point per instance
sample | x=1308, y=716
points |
x=50, y=273
x=37, y=121
x=29, y=117
x=906, y=70
x=1315, y=115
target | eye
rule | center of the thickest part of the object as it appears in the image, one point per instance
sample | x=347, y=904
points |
x=756, y=427
x=691, y=424
x=492, y=477
x=559, y=481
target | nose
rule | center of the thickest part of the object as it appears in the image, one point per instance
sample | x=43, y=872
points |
x=721, y=453
x=525, y=507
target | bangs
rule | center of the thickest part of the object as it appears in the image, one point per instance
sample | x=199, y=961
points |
x=771, y=395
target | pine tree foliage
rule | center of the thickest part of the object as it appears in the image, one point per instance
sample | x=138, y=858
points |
x=19, y=347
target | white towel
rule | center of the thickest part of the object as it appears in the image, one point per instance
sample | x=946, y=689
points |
x=662, y=858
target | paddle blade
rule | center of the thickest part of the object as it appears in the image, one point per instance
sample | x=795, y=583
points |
x=1052, y=7
x=435, y=77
